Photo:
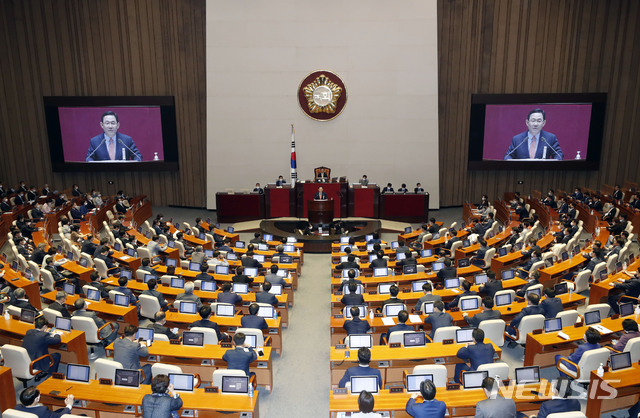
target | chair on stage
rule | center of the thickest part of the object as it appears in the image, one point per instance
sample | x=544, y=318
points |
x=322, y=174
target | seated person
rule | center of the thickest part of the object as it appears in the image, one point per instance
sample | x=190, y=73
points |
x=349, y=264
x=551, y=305
x=241, y=356
x=355, y=325
x=362, y=369
x=351, y=277
x=122, y=288
x=427, y=288
x=127, y=351
x=258, y=189
x=629, y=331
x=403, y=316
x=592, y=338
x=366, y=402
x=630, y=288
x=107, y=334
x=403, y=188
x=272, y=277
x=204, y=276
x=418, y=188
x=478, y=258
x=430, y=407
x=526, y=267
x=227, y=296
x=159, y=328
x=151, y=291
x=95, y=283
x=495, y=405
x=247, y=260
x=487, y=313
x=205, y=322
x=476, y=353
x=393, y=293
x=161, y=402
x=533, y=308
x=188, y=295
x=257, y=238
x=30, y=403
x=448, y=272
x=466, y=291
x=253, y=320
x=21, y=300
x=37, y=341
x=438, y=318
x=533, y=280
x=146, y=267
x=388, y=188
x=352, y=298
x=265, y=296
x=240, y=277
x=408, y=260
x=558, y=403
x=379, y=261
x=492, y=285
x=59, y=305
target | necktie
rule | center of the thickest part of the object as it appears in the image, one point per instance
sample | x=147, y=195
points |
x=533, y=147
x=112, y=149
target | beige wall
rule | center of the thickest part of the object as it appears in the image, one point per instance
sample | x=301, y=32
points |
x=257, y=53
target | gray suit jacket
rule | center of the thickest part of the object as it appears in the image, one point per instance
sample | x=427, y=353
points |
x=496, y=408
x=475, y=320
x=128, y=353
x=427, y=298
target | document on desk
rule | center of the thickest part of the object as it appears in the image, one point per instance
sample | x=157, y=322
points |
x=126, y=257
x=389, y=321
x=601, y=329
x=415, y=319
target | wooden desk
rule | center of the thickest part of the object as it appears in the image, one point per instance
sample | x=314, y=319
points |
x=599, y=292
x=409, y=207
x=552, y=275
x=493, y=242
x=106, y=401
x=169, y=252
x=190, y=359
x=614, y=390
x=400, y=279
x=440, y=242
x=7, y=395
x=32, y=290
x=73, y=347
x=364, y=201
x=132, y=263
x=238, y=207
x=107, y=311
x=83, y=273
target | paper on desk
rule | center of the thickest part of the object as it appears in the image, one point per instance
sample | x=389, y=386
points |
x=126, y=257
x=601, y=329
x=455, y=290
x=415, y=319
x=388, y=321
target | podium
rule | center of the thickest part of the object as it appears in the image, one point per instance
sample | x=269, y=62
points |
x=320, y=211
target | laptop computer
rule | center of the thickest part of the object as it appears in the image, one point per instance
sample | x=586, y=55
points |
x=145, y=334
x=426, y=253
x=552, y=325
x=410, y=269
x=125, y=273
x=417, y=286
x=502, y=251
x=172, y=262
x=504, y=299
x=93, y=294
x=401, y=256
x=235, y=385
x=267, y=237
x=240, y=244
x=592, y=317
x=84, y=262
x=127, y=378
x=224, y=309
x=276, y=289
x=394, y=245
x=360, y=340
x=464, y=262
x=171, y=244
x=464, y=335
x=473, y=380
x=188, y=307
x=182, y=382
x=437, y=266
x=289, y=248
x=407, y=230
x=222, y=269
x=427, y=307
x=480, y=279
x=413, y=339
x=251, y=271
x=263, y=247
x=266, y=312
x=626, y=309
x=121, y=300
x=285, y=259
x=561, y=288
x=63, y=324
x=529, y=374
x=469, y=304
x=392, y=309
x=620, y=361
x=452, y=283
x=177, y=283
x=384, y=288
x=194, y=266
x=380, y=272
x=78, y=373
x=259, y=258
x=242, y=288
x=508, y=274
x=193, y=338
x=131, y=252
x=69, y=288
x=148, y=277
x=537, y=291
x=208, y=286
x=27, y=316
x=231, y=256
x=414, y=380
x=368, y=383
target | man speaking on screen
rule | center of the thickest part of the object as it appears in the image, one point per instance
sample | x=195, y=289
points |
x=112, y=145
x=534, y=143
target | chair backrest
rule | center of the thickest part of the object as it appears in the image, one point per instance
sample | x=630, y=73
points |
x=166, y=279
x=216, y=379
x=17, y=359
x=35, y=270
x=160, y=337
x=611, y=263
x=445, y=333
x=13, y=310
x=603, y=308
x=491, y=252
x=210, y=336
x=397, y=337
x=140, y=274
x=113, y=293
x=500, y=369
x=505, y=292
x=568, y=318
x=88, y=326
x=101, y=268
x=633, y=347
x=51, y=315
x=47, y=280
x=455, y=246
x=14, y=413
x=144, y=253
x=161, y=368
x=528, y=324
x=581, y=283
x=438, y=371
x=180, y=248
x=105, y=368
x=88, y=258
x=572, y=414
x=494, y=330
x=591, y=360
x=253, y=331
x=149, y=306
x=596, y=271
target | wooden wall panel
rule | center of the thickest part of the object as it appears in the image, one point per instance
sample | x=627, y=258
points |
x=537, y=46
x=95, y=48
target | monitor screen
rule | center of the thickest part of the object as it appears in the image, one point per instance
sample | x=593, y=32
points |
x=235, y=384
x=240, y=244
x=565, y=256
x=592, y=317
x=502, y=251
x=231, y=256
x=392, y=309
x=121, y=300
x=251, y=271
x=464, y=335
x=426, y=253
x=182, y=382
x=626, y=309
x=468, y=304
x=230, y=229
x=368, y=383
x=466, y=243
x=417, y=286
x=370, y=247
x=289, y=248
x=222, y=269
x=410, y=269
x=536, y=291
x=259, y=258
x=63, y=324
x=285, y=273
x=224, y=309
x=383, y=288
x=427, y=307
x=69, y=288
x=504, y=299
x=188, y=307
x=148, y=277
x=208, y=286
x=171, y=244
x=276, y=289
x=125, y=273
x=527, y=375
x=452, y=283
x=407, y=230
x=561, y=288
x=620, y=360
x=251, y=340
x=240, y=288
x=473, y=380
x=401, y=256
x=127, y=378
x=517, y=246
x=27, y=316
x=28, y=274
x=148, y=234
x=380, y=272
x=93, y=294
x=464, y=262
x=481, y=279
x=435, y=236
x=193, y=338
x=508, y=274
x=285, y=259
x=437, y=266
x=177, y=282
x=552, y=325
x=266, y=311
x=368, y=237
x=263, y=247
x=84, y=262
x=394, y=244
x=78, y=373
x=145, y=334
x=414, y=380
x=267, y=237
x=344, y=258
x=344, y=240
x=414, y=339
x=292, y=240
x=194, y=266
x=360, y=340
x=172, y=262
x=347, y=311
x=603, y=274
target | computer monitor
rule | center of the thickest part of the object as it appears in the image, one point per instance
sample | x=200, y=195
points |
x=172, y=262
x=529, y=374
x=208, y=253
x=69, y=288
x=62, y=323
x=368, y=383
x=344, y=240
x=289, y=248
x=417, y=286
x=251, y=271
x=564, y=255
x=230, y=229
x=392, y=309
x=464, y=262
x=70, y=255
x=347, y=311
x=414, y=339
x=292, y=240
x=27, y=316
x=517, y=246
x=469, y=304
x=552, y=325
x=127, y=378
x=360, y=340
x=193, y=338
x=194, y=266
x=224, y=309
x=148, y=277
x=466, y=243
x=263, y=247
x=251, y=340
x=84, y=262
x=344, y=258
x=426, y=253
x=266, y=311
x=188, y=307
x=536, y=291
x=208, y=286
x=561, y=288
x=435, y=236
x=473, y=380
x=177, y=282
x=78, y=373
x=240, y=244
x=400, y=256
x=171, y=244
x=410, y=269
x=603, y=274
x=148, y=234
x=452, y=283
x=504, y=299
x=427, y=308
x=285, y=259
x=231, y=256
x=592, y=317
x=145, y=334
x=182, y=381
x=480, y=279
x=267, y=237
x=259, y=258
x=235, y=385
x=508, y=274
x=384, y=288
x=626, y=309
x=276, y=289
x=380, y=272
x=464, y=335
x=121, y=300
x=93, y=294
x=370, y=247
x=620, y=360
x=437, y=266
x=407, y=230
x=117, y=246
x=222, y=269
x=285, y=273
x=414, y=380
x=242, y=288
x=394, y=244
x=502, y=251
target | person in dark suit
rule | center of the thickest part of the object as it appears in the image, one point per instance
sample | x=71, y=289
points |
x=559, y=402
x=107, y=335
x=258, y=189
x=265, y=296
x=476, y=353
x=380, y=261
x=491, y=286
x=88, y=247
x=486, y=314
x=127, y=351
x=466, y=291
x=533, y=280
x=248, y=261
x=403, y=188
x=257, y=238
x=592, y=338
x=205, y=322
x=408, y=260
x=240, y=277
x=355, y=325
x=430, y=407
x=533, y=308
x=393, y=293
x=322, y=177
x=551, y=305
x=5, y=206
x=30, y=403
x=418, y=188
x=352, y=298
x=112, y=145
x=595, y=258
x=21, y=301
x=388, y=188
x=37, y=341
x=241, y=356
x=534, y=143
x=364, y=181
x=281, y=181
x=495, y=405
x=122, y=288
x=120, y=206
x=320, y=195
x=438, y=318
x=253, y=320
x=427, y=288
x=160, y=319
x=151, y=291
x=630, y=288
x=362, y=369
x=403, y=316
x=59, y=305
x=448, y=272
x=522, y=212
x=161, y=402
x=227, y=296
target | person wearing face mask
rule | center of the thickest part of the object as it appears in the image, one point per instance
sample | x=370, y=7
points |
x=535, y=143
